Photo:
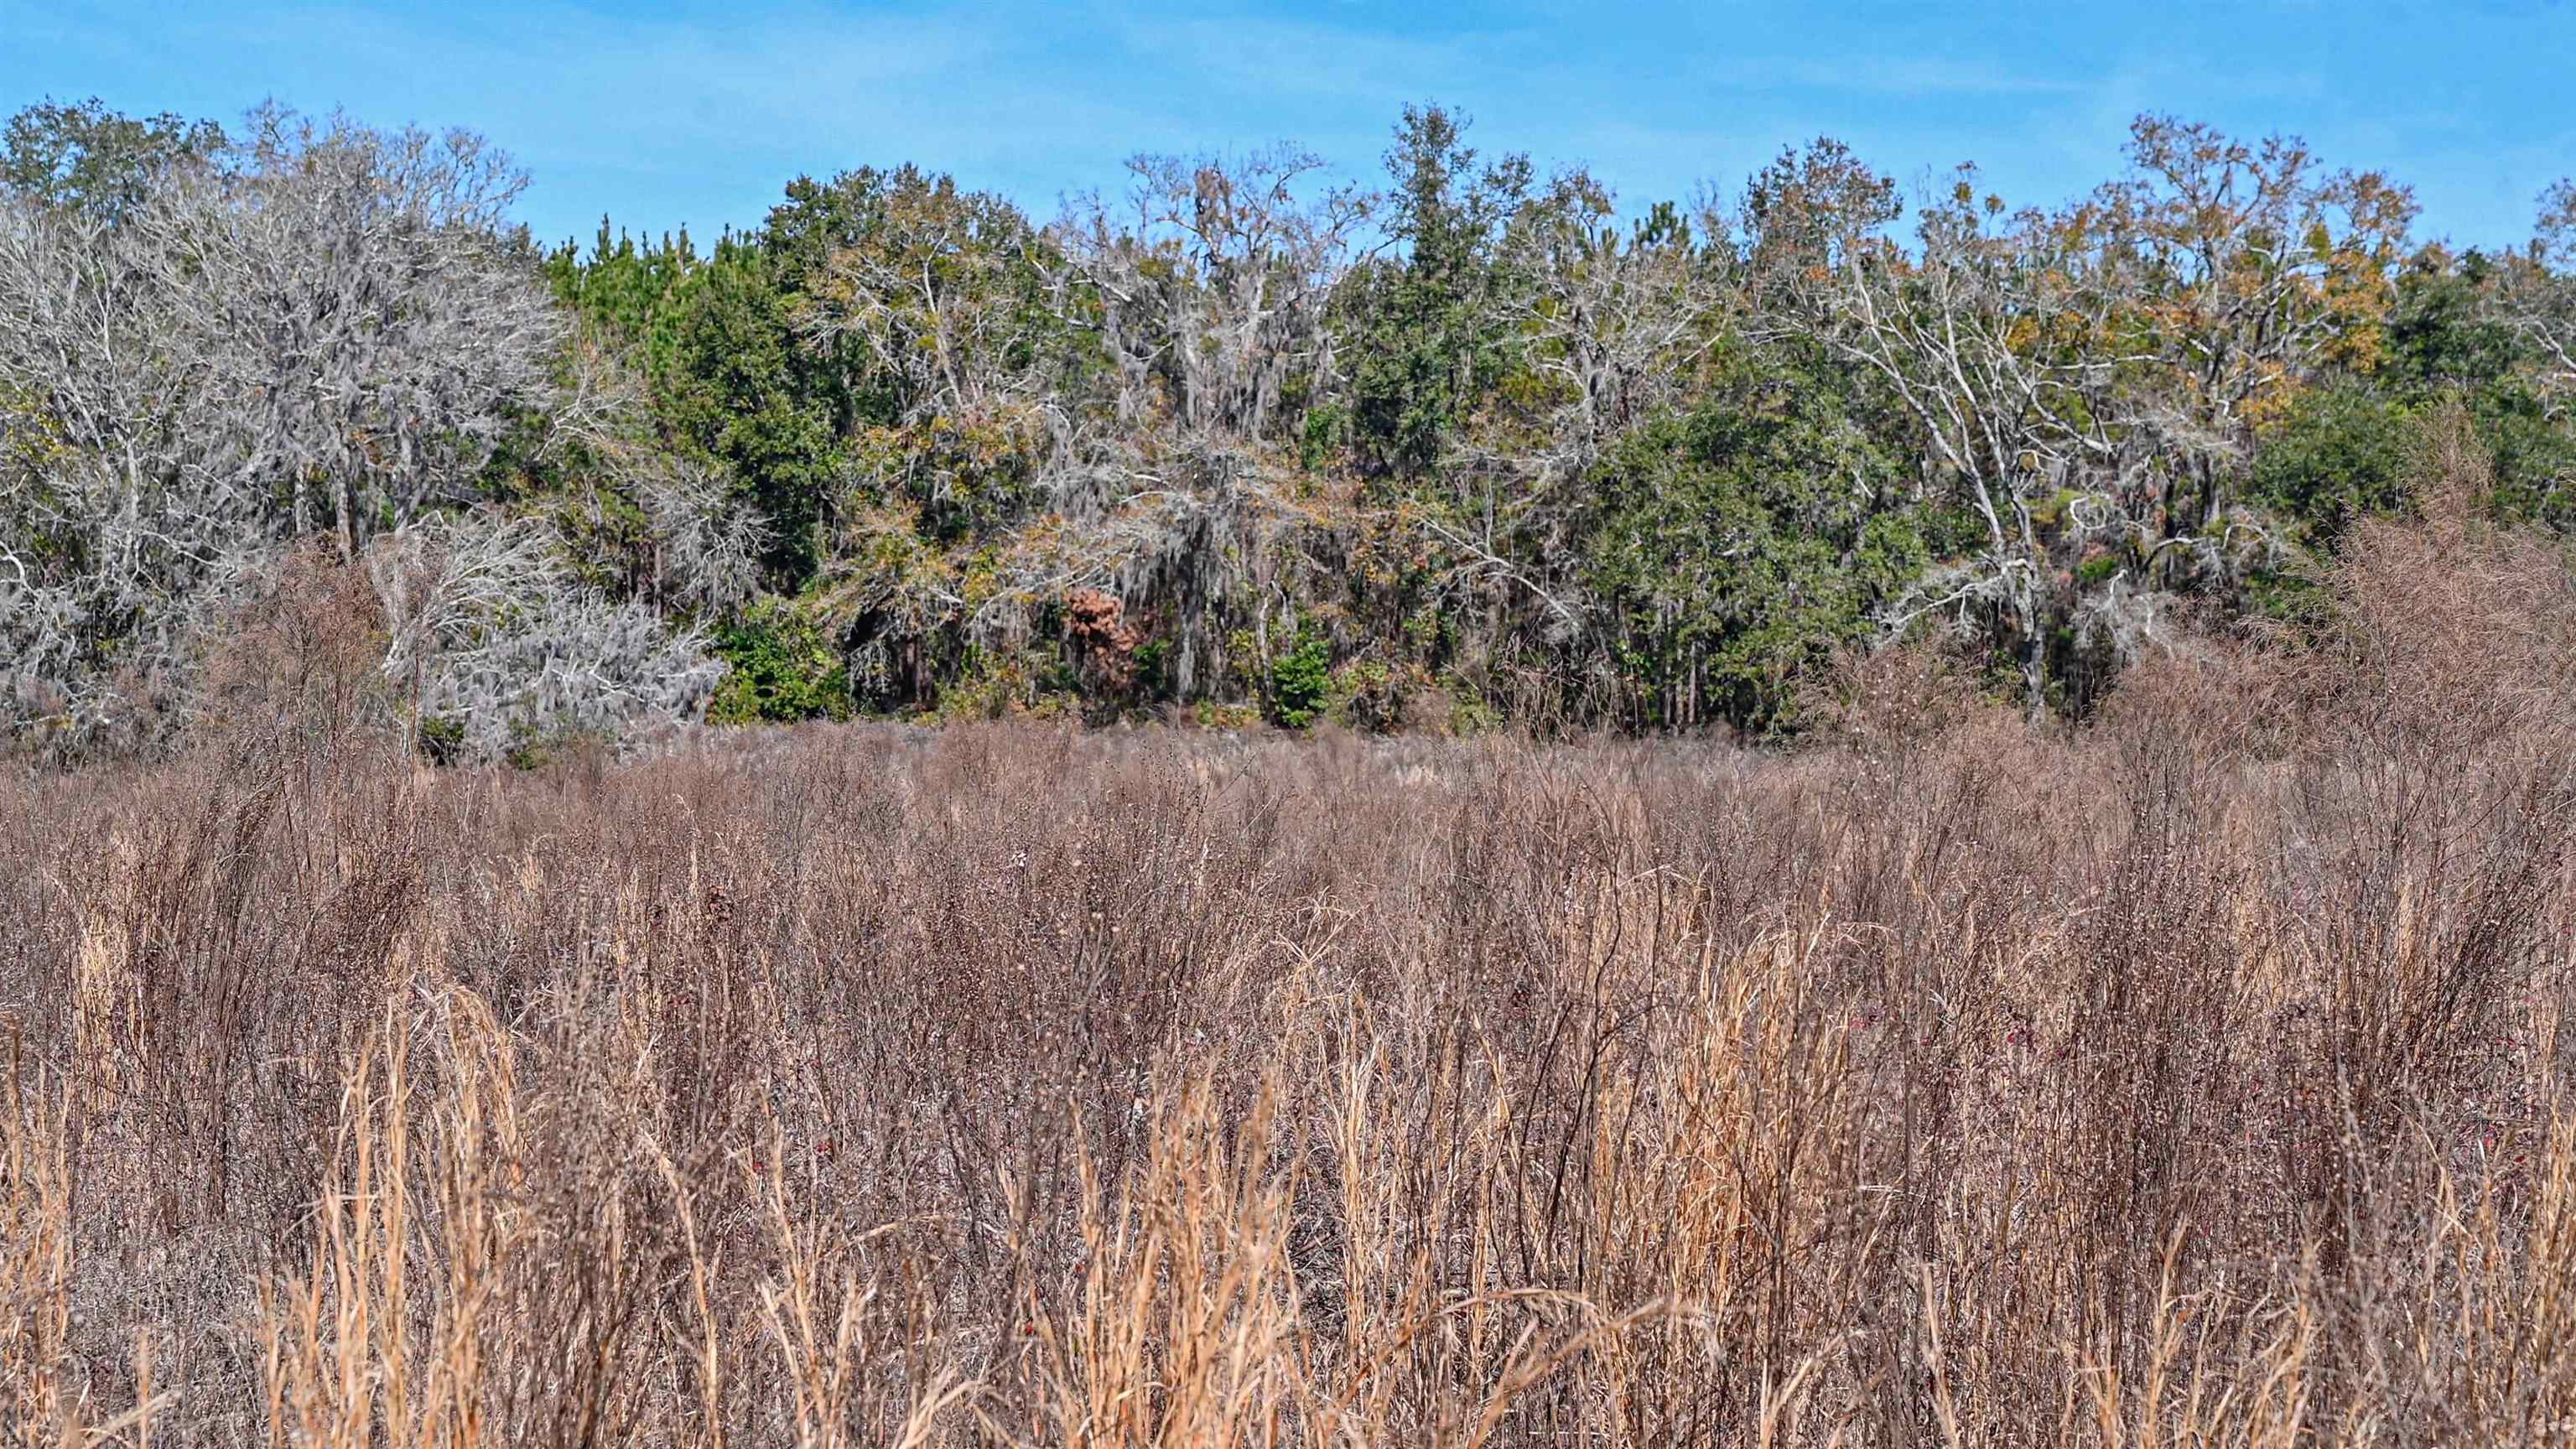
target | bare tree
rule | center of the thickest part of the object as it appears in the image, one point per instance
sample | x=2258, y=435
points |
x=1606, y=321
x=1609, y=318
x=493, y=639
x=366, y=322
x=1994, y=341
x=1211, y=286
x=702, y=550
x=706, y=545
x=2248, y=269
x=324, y=329
x=945, y=296
x=2539, y=295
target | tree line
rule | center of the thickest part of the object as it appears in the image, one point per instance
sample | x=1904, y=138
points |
x=1226, y=438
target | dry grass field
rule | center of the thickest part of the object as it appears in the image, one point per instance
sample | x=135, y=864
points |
x=2199, y=1075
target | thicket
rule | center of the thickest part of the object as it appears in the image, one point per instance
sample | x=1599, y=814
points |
x=2200, y=1074
x=1227, y=440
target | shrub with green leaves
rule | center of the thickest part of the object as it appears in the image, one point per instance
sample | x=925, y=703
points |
x=783, y=667
x=1300, y=682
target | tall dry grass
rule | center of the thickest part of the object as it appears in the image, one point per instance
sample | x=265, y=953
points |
x=2200, y=1077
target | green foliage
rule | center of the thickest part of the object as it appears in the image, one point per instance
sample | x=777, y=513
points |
x=1211, y=715
x=627, y=293
x=1323, y=436
x=736, y=392
x=715, y=339
x=86, y=157
x=1153, y=678
x=2534, y=453
x=783, y=666
x=2450, y=338
x=2291, y=597
x=442, y=739
x=909, y=291
x=822, y=361
x=858, y=367
x=1300, y=683
x=1382, y=697
x=2352, y=448
x=2445, y=331
x=1424, y=334
x=2343, y=451
x=1739, y=544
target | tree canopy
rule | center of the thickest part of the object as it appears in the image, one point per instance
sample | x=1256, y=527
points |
x=1228, y=436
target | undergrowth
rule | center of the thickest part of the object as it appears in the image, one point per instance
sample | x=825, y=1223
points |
x=2198, y=1076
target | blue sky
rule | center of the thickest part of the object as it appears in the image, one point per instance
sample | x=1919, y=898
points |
x=694, y=111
